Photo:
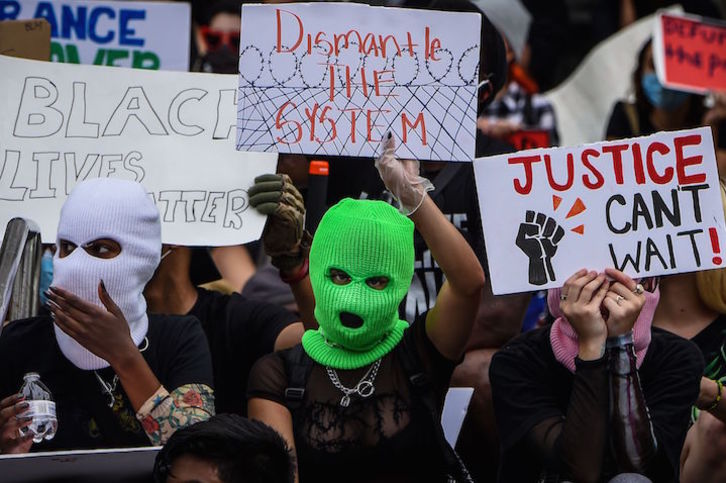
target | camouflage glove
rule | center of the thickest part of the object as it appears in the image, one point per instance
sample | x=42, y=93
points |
x=284, y=237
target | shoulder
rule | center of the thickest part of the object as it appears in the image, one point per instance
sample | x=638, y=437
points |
x=174, y=330
x=37, y=328
x=527, y=353
x=268, y=377
x=670, y=351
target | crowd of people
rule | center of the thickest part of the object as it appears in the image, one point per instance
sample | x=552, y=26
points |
x=327, y=356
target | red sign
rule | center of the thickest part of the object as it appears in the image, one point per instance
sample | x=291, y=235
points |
x=529, y=139
x=690, y=53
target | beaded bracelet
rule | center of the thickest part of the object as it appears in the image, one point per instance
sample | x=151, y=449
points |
x=714, y=405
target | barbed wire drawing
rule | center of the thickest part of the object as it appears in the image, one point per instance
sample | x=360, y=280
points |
x=288, y=103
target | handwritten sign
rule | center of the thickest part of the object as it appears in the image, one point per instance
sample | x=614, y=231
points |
x=170, y=131
x=529, y=139
x=147, y=35
x=648, y=206
x=28, y=39
x=332, y=79
x=690, y=52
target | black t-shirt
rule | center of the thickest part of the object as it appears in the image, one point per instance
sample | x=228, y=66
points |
x=388, y=437
x=530, y=386
x=619, y=125
x=712, y=341
x=239, y=331
x=177, y=354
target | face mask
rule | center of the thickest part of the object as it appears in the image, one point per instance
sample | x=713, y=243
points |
x=46, y=275
x=221, y=61
x=358, y=323
x=659, y=96
x=119, y=210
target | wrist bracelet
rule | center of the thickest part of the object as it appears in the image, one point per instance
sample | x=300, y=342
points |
x=620, y=340
x=301, y=274
x=714, y=405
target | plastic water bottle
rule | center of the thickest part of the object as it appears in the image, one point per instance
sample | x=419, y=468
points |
x=41, y=408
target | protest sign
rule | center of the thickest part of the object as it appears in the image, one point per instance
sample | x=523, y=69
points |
x=332, y=79
x=529, y=139
x=171, y=131
x=28, y=39
x=690, y=52
x=147, y=35
x=648, y=206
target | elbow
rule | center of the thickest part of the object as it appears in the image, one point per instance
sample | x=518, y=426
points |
x=473, y=284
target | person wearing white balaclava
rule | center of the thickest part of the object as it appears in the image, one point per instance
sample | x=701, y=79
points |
x=107, y=363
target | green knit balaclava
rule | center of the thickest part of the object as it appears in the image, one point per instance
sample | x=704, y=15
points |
x=358, y=323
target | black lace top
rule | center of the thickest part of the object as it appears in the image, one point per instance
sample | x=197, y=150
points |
x=387, y=437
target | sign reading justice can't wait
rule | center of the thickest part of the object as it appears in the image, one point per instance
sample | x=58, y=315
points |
x=332, y=79
x=648, y=206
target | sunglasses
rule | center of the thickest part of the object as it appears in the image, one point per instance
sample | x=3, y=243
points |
x=215, y=40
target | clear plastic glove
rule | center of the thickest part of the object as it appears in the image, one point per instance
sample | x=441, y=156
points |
x=401, y=177
x=283, y=238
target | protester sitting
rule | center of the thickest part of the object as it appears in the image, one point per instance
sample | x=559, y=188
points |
x=597, y=394
x=227, y=448
x=655, y=108
x=118, y=377
x=693, y=305
x=351, y=396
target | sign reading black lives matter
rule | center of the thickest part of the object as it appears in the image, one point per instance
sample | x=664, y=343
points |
x=170, y=131
x=648, y=206
x=334, y=78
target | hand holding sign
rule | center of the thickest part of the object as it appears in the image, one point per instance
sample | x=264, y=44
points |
x=623, y=303
x=401, y=177
x=580, y=302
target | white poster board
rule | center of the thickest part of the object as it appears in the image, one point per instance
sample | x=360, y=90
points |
x=648, y=206
x=148, y=35
x=171, y=131
x=334, y=78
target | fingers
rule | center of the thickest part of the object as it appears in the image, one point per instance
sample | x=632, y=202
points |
x=264, y=187
x=67, y=324
x=10, y=400
x=619, y=276
x=601, y=293
x=58, y=304
x=108, y=302
x=592, y=287
x=268, y=177
x=573, y=288
x=68, y=300
x=389, y=144
x=13, y=409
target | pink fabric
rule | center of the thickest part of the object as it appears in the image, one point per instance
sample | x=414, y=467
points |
x=564, y=339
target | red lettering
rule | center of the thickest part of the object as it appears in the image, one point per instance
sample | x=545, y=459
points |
x=333, y=133
x=347, y=81
x=638, y=164
x=599, y=180
x=364, y=82
x=279, y=124
x=435, y=45
x=616, y=151
x=383, y=41
x=353, y=117
x=311, y=118
x=319, y=39
x=279, y=31
x=659, y=148
x=370, y=41
x=377, y=80
x=369, y=122
x=570, y=173
x=332, y=82
x=526, y=161
x=683, y=162
x=406, y=124
x=410, y=44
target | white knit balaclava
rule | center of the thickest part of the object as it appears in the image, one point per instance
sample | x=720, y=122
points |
x=119, y=210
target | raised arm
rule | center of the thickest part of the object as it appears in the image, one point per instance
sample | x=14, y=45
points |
x=449, y=323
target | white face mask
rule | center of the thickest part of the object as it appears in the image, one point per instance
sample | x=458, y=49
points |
x=121, y=211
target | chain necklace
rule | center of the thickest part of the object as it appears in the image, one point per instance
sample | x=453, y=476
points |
x=364, y=388
x=110, y=389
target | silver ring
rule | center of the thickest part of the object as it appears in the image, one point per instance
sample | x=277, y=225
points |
x=639, y=289
x=619, y=298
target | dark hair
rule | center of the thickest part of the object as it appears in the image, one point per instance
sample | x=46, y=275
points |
x=492, y=50
x=242, y=450
x=695, y=110
x=231, y=7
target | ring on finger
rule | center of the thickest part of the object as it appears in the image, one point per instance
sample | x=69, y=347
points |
x=639, y=289
x=619, y=299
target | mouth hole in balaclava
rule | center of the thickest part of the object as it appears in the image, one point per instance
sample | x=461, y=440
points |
x=350, y=320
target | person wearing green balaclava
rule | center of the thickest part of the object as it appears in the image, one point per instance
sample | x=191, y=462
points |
x=357, y=404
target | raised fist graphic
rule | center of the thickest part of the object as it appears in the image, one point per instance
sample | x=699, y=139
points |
x=538, y=238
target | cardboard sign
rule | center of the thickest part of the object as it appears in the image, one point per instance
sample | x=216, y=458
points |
x=146, y=35
x=27, y=39
x=690, y=52
x=333, y=79
x=647, y=206
x=170, y=131
x=529, y=139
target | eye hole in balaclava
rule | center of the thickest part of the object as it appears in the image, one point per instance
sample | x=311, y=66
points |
x=104, y=248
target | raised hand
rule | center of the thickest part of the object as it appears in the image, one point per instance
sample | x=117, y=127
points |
x=401, y=177
x=538, y=238
x=284, y=237
x=624, y=301
x=103, y=331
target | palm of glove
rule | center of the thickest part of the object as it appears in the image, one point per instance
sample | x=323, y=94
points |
x=283, y=237
x=401, y=178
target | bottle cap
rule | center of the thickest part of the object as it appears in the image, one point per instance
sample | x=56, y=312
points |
x=31, y=375
x=318, y=167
